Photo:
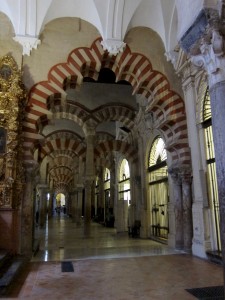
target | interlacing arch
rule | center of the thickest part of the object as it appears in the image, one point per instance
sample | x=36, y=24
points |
x=62, y=160
x=73, y=112
x=66, y=153
x=114, y=112
x=61, y=174
x=129, y=151
x=103, y=136
x=70, y=111
x=136, y=69
x=61, y=187
x=61, y=142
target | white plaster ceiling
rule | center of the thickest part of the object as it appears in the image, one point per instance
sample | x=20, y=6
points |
x=112, y=18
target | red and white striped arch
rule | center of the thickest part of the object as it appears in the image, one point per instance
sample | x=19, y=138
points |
x=59, y=143
x=61, y=174
x=119, y=112
x=132, y=67
x=129, y=151
x=62, y=160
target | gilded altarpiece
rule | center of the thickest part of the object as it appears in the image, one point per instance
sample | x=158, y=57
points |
x=12, y=104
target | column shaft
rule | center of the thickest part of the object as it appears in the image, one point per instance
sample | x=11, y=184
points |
x=89, y=179
x=178, y=211
x=187, y=211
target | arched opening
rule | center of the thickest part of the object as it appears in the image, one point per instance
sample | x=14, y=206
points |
x=158, y=190
x=107, y=205
x=95, y=210
x=124, y=182
x=124, y=198
x=60, y=204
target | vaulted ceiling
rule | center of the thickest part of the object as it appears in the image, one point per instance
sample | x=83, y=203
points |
x=112, y=18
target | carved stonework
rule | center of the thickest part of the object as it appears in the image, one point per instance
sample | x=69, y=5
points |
x=28, y=43
x=12, y=103
x=113, y=46
x=174, y=172
x=207, y=19
x=186, y=177
x=212, y=58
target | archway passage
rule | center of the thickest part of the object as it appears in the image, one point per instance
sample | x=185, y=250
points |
x=134, y=68
x=158, y=190
x=67, y=107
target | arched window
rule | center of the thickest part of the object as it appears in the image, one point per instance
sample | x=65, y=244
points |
x=124, y=181
x=157, y=153
x=96, y=204
x=211, y=171
x=107, y=175
x=158, y=189
x=106, y=193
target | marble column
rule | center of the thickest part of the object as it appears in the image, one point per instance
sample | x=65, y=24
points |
x=116, y=196
x=50, y=205
x=112, y=187
x=73, y=204
x=42, y=190
x=87, y=207
x=101, y=196
x=89, y=177
x=78, y=206
x=187, y=209
x=142, y=132
x=178, y=209
x=27, y=225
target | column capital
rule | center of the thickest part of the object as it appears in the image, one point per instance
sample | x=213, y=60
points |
x=174, y=173
x=186, y=176
x=88, y=180
x=204, y=43
x=211, y=58
x=113, y=46
x=79, y=186
x=31, y=169
x=89, y=129
x=42, y=187
x=207, y=19
x=180, y=174
x=28, y=43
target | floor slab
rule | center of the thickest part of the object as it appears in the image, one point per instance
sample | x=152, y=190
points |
x=109, y=266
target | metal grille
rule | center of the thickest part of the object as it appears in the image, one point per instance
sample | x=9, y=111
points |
x=206, y=107
x=158, y=190
x=211, y=170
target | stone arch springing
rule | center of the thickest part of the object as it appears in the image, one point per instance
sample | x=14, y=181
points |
x=129, y=151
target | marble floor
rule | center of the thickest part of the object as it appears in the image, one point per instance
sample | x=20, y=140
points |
x=108, y=266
